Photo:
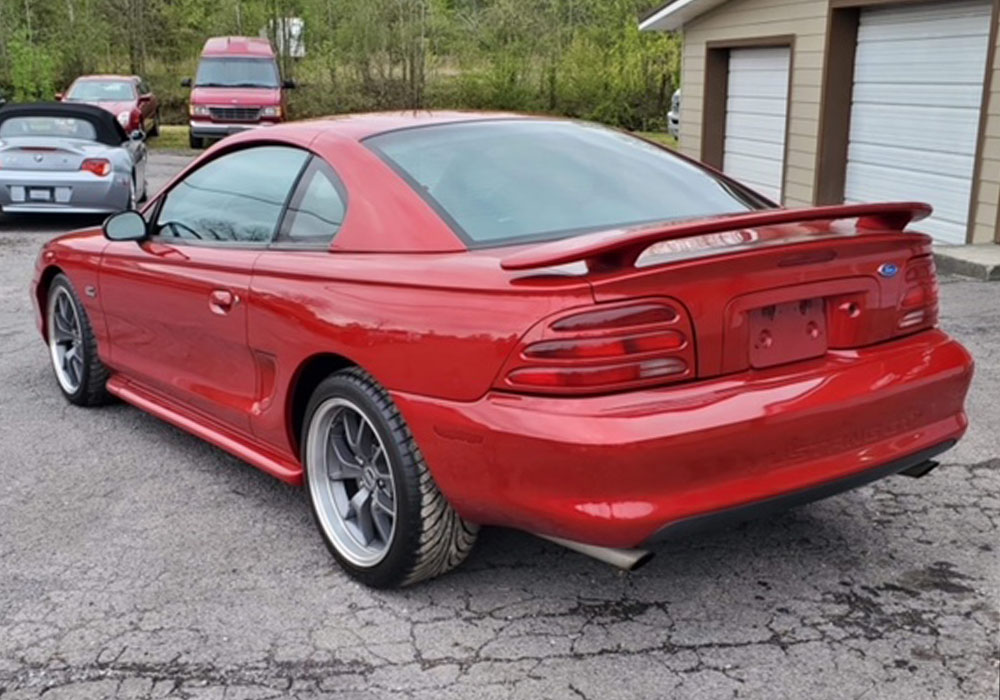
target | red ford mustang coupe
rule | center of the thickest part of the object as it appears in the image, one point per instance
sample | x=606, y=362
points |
x=441, y=321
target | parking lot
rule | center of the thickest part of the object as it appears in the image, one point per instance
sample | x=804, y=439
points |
x=138, y=561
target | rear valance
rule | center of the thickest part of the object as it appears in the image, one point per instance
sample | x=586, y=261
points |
x=619, y=248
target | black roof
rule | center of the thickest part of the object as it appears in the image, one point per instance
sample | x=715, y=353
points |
x=109, y=131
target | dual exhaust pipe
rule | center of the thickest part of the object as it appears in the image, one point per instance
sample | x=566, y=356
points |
x=632, y=559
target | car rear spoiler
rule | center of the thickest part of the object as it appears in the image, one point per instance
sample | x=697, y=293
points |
x=620, y=248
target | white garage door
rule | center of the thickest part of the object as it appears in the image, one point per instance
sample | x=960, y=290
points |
x=756, y=115
x=918, y=89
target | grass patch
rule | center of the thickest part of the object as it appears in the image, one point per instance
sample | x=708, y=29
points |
x=171, y=138
x=660, y=137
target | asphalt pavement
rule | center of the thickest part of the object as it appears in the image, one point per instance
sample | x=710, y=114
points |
x=137, y=561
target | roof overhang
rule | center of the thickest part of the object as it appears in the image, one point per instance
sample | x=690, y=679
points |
x=676, y=14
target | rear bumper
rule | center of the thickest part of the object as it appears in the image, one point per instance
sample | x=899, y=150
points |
x=617, y=470
x=70, y=192
x=776, y=504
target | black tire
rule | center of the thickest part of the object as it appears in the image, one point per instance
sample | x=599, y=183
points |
x=155, y=131
x=429, y=538
x=94, y=375
x=195, y=142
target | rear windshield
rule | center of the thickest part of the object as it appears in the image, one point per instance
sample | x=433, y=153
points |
x=237, y=72
x=507, y=181
x=102, y=91
x=60, y=127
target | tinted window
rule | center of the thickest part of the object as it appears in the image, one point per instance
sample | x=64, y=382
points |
x=102, y=91
x=317, y=209
x=60, y=127
x=504, y=181
x=238, y=197
x=237, y=72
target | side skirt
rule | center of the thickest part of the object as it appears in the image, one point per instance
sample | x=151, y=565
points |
x=249, y=451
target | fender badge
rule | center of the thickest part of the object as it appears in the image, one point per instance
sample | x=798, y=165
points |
x=888, y=269
x=90, y=291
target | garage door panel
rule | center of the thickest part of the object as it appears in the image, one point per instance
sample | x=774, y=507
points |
x=948, y=96
x=757, y=118
x=920, y=186
x=756, y=148
x=759, y=84
x=915, y=113
x=755, y=126
x=755, y=105
x=907, y=158
x=944, y=130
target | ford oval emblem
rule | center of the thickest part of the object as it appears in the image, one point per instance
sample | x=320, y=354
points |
x=888, y=269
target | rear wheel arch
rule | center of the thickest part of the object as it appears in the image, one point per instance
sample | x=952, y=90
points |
x=42, y=293
x=305, y=379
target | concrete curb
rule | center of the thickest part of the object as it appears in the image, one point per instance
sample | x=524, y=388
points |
x=981, y=261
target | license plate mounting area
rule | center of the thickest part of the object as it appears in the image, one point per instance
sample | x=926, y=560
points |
x=787, y=332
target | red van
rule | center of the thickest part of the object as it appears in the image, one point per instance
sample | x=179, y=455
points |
x=238, y=87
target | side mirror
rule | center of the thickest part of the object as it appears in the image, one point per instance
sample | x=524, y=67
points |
x=59, y=96
x=125, y=226
x=186, y=82
x=137, y=135
x=288, y=84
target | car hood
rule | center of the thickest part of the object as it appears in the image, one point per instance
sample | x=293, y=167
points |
x=237, y=96
x=115, y=108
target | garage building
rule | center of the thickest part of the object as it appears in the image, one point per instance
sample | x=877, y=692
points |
x=829, y=101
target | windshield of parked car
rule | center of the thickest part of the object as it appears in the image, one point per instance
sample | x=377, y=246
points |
x=102, y=91
x=237, y=72
x=59, y=127
x=498, y=182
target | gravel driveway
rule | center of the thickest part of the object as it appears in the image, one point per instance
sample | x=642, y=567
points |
x=137, y=561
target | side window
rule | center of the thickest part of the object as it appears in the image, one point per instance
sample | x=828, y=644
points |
x=317, y=208
x=235, y=198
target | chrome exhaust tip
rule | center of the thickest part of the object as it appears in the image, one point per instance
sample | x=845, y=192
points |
x=626, y=559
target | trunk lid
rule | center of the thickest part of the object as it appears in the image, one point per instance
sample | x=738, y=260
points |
x=45, y=154
x=762, y=289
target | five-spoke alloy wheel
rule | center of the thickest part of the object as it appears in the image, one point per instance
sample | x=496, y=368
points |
x=354, y=486
x=72, y=346
x=375, y=502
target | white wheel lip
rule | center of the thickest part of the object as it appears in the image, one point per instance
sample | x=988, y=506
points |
x=320, y=489
x=65, y=381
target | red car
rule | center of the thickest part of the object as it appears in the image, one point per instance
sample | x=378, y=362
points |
x=441, y=321
x=128, y=97
x=237, y=87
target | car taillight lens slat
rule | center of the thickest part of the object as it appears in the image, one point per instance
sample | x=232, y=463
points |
x=918, y=303
x=623, y=346
x=597, y=377
x=584, y=348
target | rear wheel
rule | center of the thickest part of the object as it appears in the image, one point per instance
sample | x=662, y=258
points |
x=375, y=502
x=72, y=347
x=155, y=131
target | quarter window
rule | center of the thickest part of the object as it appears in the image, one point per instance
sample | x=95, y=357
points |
x=236, y=198
x=317, y=208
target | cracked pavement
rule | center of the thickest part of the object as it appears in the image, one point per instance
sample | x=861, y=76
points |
x=137, y=561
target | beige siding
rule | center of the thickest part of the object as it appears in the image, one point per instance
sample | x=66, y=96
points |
x=984, y=215
x=747, y=19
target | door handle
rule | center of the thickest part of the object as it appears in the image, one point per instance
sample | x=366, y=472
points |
x=221, y=301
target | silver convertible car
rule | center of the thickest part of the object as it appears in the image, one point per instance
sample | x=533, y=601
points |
x=70, y=158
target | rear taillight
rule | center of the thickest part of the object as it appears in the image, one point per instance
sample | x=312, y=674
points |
x=98, y=166
x=604, y=349
x=918, y=303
